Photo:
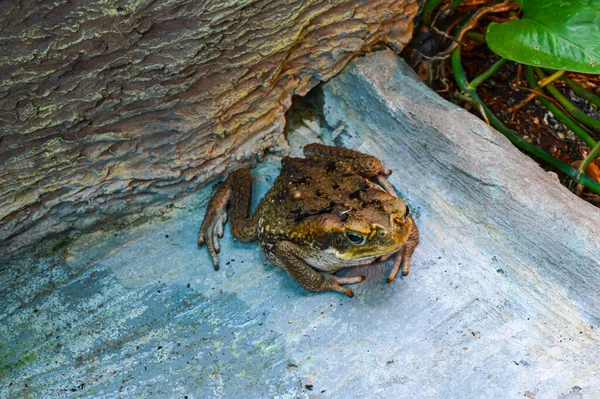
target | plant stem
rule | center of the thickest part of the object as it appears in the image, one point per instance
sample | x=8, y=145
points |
x=558, y=113
x=477, y=36
x=582, y=91
x=467, y=25
x=461, y=80
x=549, y=79
x=428, y=8
x=516, y=108
x=490, y=71
x=569, y=106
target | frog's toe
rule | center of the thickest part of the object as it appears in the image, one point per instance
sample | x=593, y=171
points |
x=220, y=221
x=347, y=280
x=406, y=266
x=212, y=243
x=396, y=267
x=334, y=283
x=200, y=238
x=216, y=245
x=384, y=257
x=209, y=234
x=339, y=288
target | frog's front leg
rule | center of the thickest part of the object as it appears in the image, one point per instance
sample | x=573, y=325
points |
x=404, y=255
x=289, y=256
x=235, y=191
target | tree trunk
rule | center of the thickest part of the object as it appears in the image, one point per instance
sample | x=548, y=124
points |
x=107, y=108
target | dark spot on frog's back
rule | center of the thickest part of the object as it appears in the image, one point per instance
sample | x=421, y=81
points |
x=305, y=180
x=354, y=195
x=375, y=202
x=330, y=166
x=329, y=208
x=362, y=188
x=301, y=214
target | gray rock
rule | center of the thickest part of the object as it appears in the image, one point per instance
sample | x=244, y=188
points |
x=501, y=302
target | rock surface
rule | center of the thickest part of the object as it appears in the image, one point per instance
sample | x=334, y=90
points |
x=107, y=108
x=502, y=300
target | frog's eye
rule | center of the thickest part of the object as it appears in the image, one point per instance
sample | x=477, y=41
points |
x=355, y=238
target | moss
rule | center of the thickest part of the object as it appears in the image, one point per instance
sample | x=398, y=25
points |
x=61, y=243
x=21, y=362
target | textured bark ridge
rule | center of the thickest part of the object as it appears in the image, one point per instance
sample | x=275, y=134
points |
x=108, y=107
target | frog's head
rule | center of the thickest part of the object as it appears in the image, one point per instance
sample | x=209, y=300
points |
x=379, y=227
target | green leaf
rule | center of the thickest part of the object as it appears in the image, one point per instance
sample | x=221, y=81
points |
x=556, y=34
x=456, y=3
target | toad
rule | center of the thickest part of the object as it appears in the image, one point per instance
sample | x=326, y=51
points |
x=330, y=210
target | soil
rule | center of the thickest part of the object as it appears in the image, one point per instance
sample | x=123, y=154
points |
x=504, y=90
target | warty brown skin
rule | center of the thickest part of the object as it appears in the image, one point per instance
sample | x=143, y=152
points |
x=323, y=213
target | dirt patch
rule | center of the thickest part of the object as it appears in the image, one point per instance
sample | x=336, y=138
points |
x=505, y=89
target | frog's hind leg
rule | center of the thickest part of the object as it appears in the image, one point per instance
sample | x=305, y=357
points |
x=363, y=164
x=235, y=191
x=386, y=185
x=289, y=257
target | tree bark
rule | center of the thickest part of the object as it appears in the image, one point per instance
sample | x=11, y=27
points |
x=107, y=108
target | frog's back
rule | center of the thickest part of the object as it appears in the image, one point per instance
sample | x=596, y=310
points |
x=306, y=187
